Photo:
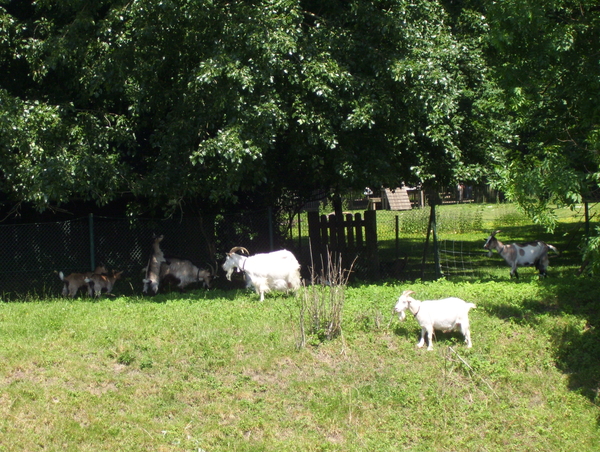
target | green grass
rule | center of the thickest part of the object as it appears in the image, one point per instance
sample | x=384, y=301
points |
x=220, y=371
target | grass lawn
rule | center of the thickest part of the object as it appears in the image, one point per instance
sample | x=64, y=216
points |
x=220, y=371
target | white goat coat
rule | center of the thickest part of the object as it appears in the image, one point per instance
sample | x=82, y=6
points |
x=278, y=270
x=447, y=314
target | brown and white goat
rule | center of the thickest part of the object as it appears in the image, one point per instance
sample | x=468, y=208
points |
x=76, y=281
x=521, y=255
x=183, y=273
x=100, y=283
x=152, y=276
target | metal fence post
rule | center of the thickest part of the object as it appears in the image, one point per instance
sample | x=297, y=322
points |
x=436, y=248
x=92, y=246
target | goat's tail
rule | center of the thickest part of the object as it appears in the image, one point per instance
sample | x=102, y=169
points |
x=471, y=305
x=61, y=276
x=553, y=248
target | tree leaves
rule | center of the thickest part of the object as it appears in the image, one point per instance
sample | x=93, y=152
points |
x=176, y=100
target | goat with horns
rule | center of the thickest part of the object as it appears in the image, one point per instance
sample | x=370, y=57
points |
x=278, y=270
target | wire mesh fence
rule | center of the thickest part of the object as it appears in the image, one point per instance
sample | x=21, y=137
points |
x=31, y=255
x=458, y=258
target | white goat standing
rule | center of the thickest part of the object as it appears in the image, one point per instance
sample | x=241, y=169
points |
x=447, y=314
x=278, y=270
x=525, y=255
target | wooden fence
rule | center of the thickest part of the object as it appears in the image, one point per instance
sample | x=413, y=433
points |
x=351, y=236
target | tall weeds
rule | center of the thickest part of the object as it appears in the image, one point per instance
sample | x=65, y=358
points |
x=322, y=302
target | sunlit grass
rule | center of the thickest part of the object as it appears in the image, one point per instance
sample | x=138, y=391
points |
x=220, y=371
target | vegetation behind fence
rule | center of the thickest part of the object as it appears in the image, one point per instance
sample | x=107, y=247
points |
x=32, y=254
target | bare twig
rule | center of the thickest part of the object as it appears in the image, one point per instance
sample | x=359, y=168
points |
x=473, y=371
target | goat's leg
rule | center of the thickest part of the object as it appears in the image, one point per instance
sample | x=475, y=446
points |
x=466, y=331
x=514, y=272
x=430, y=338
x=543, y=265
x=422, y=341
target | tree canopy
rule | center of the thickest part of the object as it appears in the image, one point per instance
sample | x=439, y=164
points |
x=166, y=102
x=546, y=58
x=161, y=104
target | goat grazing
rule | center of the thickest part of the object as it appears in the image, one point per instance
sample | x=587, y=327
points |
x=447, y=314
x=524, y=255
x=152, y=276
x=76, y=281
x=183, y=273
x=99, y=283
x=278, y=270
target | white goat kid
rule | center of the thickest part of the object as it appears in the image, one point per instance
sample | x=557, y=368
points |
x=278, y=270
x=447, y=314
x=525, y=255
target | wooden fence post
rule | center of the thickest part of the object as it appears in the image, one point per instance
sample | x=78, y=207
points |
x=314, y=242
x=372, y=253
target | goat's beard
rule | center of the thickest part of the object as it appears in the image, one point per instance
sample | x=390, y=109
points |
x=489, y=253
x=402, y=316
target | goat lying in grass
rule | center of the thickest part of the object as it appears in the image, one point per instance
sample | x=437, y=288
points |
x=447, y=314
x=76, y=281
x=100, y=283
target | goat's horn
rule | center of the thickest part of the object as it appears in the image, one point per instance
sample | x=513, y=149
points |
x=496, y=232
x=212, y=269
x=407, y=293
x=239, y=248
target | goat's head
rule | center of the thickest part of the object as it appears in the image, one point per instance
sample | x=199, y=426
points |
x=234, y=260
x=100, y=270
x=490, y=242
x=207, y=276
x=403, y=304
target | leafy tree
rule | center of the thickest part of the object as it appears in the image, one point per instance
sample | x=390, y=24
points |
x=545, y=57
x=173, y=102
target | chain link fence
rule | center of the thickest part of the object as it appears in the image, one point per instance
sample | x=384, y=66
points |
x=31, y=255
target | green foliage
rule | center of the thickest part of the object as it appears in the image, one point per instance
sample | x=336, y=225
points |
x=540, y=53
x=173, y=101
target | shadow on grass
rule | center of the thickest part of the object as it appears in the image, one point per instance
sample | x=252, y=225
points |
x=578, y=347
x=576, y=343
